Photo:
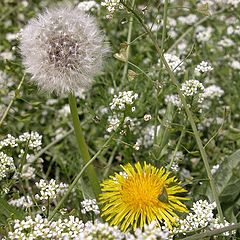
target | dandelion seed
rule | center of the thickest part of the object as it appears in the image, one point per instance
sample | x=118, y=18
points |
x=63, y=49
x=147, y=194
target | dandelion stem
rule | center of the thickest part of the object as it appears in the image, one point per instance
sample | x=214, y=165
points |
x=83, y=148
x=75, y=181
x=187, y=110
x=12, y=100
x=129, y=37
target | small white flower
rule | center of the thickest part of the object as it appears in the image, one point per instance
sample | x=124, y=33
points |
x=112, y=6
x=192, y=87
x=6, y=165
x=215, y=168
x=147, y=117
x=174, y=62
x=50, y=190
x=203, y=34
x=212, y=92
x=88, y=6
x=122, y=100
x=226, y=42
x=203, y=67
x=90, y=205
x=173, y=99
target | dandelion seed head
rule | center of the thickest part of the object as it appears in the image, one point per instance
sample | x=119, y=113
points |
x=63, y=49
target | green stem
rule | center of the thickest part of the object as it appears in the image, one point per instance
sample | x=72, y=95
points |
x=129, y=37
x=75, y=181
x=187, y=110
x=83, y=148
x=164, y=31
x=212, y=232
x=12, y=100
x=176, y=149
x=110, y=161
x=165, y=10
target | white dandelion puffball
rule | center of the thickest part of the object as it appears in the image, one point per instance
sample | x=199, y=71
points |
x=63, y=49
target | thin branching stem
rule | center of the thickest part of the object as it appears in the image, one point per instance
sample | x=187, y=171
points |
x=129, y=38
x=12, y=101
x=212, y=232
x=164, y=32
x=187, y=110
x=75, y=181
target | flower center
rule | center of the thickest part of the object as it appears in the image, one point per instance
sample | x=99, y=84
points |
x=141, y=191
x=62, y=51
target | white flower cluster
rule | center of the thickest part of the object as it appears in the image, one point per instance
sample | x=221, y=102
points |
x=175, y=167
x=191, y=88
x=90, y=205
x=112, y=6
x=33, y=140
x=201, y=216
x=215, y=168
x=173, y=99
x=50, y=190
x=23, y=202
x=233, y=30
x=113, y=123
x=152, y=232
x=226, y=42
x=6, y=165
x=64, y=111
x=9, y=141
x=87, y=6
x=174, y=62
x=99, y=230
x=41, y=228
x=147, y=137
x=190, y=19
x=203, y=67
x=207, y=122
x=216, y=224
x=235, y=64
x=234, y=3
x=123, y=100
x=203, y=34
x=212, y=92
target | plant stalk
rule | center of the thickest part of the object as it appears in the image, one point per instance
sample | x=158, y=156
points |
x=129, y=37
x=187, y=110
x=12, y=101
x=83, y=148
x=75, y=181
x=212, y=232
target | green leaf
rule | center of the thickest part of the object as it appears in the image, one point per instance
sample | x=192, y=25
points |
x=227, y=179
x=7, y=211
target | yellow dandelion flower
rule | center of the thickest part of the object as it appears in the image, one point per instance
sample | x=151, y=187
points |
x=140, y=195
